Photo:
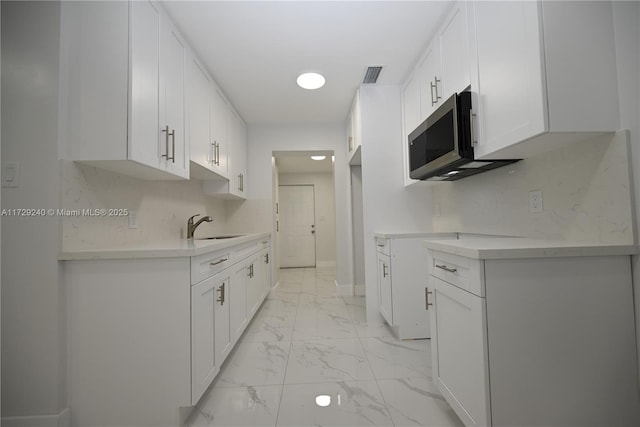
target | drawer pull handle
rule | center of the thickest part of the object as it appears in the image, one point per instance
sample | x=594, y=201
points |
x=220, y=261
x=445, y=268
x=380, y=246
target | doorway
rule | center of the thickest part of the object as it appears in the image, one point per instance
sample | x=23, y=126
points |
x=297, y=226
x=294, y=169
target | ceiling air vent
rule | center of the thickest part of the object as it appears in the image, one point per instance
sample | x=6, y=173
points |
x=371, y=76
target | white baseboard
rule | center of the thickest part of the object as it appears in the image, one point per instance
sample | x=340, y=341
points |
x=344, y=290
x=61, y=420
x=360, y=290
x=324, y=264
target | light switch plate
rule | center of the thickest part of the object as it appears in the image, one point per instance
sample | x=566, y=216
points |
x=10, y=174
x=535, y=201
x=133, y=219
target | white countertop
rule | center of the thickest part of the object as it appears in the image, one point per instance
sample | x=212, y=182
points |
x=183, y=248
x=413, y=235
x=521, y=247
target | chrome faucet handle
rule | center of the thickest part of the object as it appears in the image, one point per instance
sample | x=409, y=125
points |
x=191, y=218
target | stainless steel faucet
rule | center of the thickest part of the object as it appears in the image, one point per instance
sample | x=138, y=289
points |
x=191, y=227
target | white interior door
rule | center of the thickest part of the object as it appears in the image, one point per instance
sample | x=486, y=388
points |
x=297, y=226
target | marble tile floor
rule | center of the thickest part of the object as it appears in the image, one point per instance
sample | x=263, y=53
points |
x=306, y=348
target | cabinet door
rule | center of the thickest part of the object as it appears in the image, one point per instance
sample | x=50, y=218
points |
x=454, y=51
x=430, y=77
x=461, y=363
x=238, y=160
x=145, y=82
x=265, y=259
x=508, y=75
x=384, y=288
x=238, y=300
x=203, y=326
x=220, y=129
x=222, y=330
x=172, y=143
x=254, y=291
x=201, y=149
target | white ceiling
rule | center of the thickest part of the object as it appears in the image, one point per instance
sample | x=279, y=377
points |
x=256, y=49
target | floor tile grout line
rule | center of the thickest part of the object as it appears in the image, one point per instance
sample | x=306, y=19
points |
x=286, y=368
x=375, y=378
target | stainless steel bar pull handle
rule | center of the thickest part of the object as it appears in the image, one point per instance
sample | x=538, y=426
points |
x=266, y=258
x=474, y=140
x=433, y=102
x=213, y=153
x=217, y=154
x=426, y=297
x=220, y=261
x=166, y=141
x=221, y=292
x=445, y=268
x=173, y=146
x=384, y=270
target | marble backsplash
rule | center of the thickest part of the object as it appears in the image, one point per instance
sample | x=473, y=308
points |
x=586, y=191
x=162, y=209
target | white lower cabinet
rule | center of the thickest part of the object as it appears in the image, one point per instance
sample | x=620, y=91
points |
x=459, y=345
x=203, y=324
x=402, y=279
x=238, y=299
x=537, y=341
x=384, y=288
x=148, y=336
x=222, y=331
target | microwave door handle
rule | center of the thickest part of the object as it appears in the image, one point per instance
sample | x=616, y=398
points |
x=474, y=141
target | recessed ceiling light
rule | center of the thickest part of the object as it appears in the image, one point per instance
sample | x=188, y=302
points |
x=318, y=157
x=323, y=400
x=310, y=81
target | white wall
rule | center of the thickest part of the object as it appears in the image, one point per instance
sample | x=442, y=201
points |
x=388, y=206
x=358, y=230
x=325, y=216
x=258, y=211
x=585, y=192
x=162, y=209
x=33, y=311
x=626, y=17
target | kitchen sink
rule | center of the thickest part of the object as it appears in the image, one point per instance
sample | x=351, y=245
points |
x=220, y=237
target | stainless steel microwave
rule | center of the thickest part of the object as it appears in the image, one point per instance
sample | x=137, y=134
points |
x=441, y=148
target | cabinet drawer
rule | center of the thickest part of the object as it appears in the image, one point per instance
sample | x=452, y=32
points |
x=206, y=265
x=382, y=245
x=243, y=251
x=465, y=273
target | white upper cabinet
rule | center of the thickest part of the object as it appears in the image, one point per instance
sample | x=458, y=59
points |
x=443, y=69
x=454, y=52
x=220, y=129
x=208, y=152
x=238, y=161
x=542, y=72
x=123, y=80
x=173, y=52
x=236, y=186
x=430, y=81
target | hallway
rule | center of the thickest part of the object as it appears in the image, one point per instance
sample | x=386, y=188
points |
x=306, y=348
